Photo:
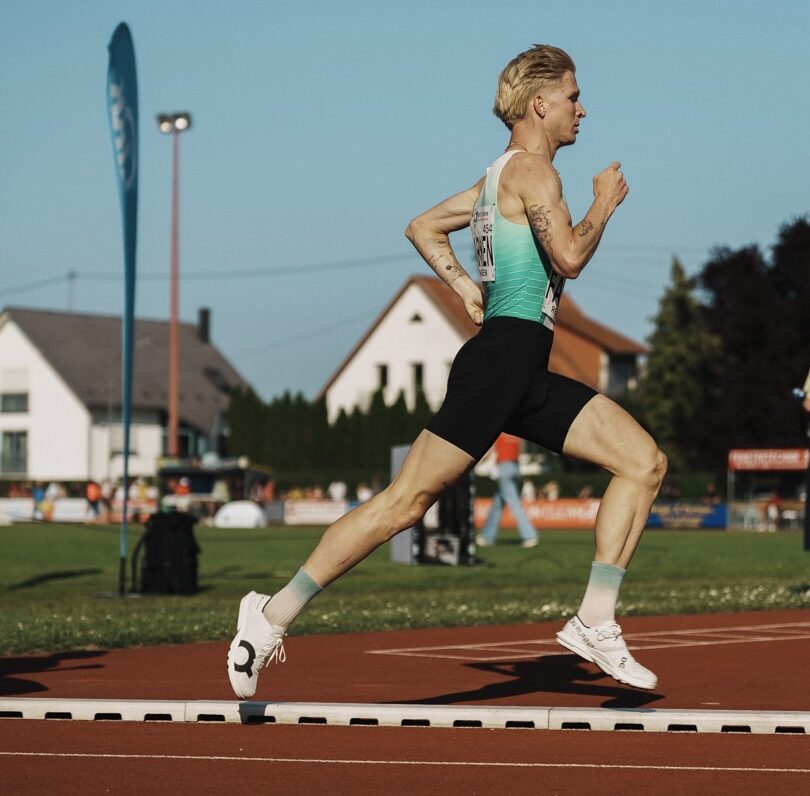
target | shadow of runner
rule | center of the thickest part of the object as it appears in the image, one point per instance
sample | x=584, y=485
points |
x=560, y=674
x=12, y=685
x=46, y=577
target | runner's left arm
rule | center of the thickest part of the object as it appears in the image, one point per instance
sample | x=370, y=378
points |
x=430, y=234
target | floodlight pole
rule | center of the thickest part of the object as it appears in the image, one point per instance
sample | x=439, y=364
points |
x=172, y=442
x=174, y=123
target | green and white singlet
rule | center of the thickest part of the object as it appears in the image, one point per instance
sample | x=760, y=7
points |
x=518, y=279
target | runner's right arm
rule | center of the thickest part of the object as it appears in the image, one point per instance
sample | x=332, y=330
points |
x=430, y=234
x=569, y=247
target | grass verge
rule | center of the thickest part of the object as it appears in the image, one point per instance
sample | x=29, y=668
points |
x=56, y=583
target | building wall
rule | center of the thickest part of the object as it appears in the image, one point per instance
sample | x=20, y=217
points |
x=399, y=342
x=56, y=422
x=106, y=441
x=586, y=354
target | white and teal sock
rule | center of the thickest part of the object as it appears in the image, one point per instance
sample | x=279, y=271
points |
x=285, y=605
x=599, y=603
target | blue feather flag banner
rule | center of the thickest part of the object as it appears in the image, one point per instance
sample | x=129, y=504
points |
x=122, y=105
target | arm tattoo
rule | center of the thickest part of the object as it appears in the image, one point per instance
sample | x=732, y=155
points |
x=442, y=260
x=586, y=228
x=540, y=221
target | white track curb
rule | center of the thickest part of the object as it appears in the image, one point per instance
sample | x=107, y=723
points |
x=340, y=714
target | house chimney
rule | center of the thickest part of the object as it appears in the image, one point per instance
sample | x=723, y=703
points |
x=204, y=324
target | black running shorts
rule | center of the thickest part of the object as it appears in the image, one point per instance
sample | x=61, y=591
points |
x=500, y=381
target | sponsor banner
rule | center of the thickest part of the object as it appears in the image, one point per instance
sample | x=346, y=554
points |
x=686, y=514
x=314, y=512
x=576, y=513
x=563, y=513
x=753, y=459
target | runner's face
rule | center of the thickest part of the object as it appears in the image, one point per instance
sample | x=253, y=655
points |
x=563, y=110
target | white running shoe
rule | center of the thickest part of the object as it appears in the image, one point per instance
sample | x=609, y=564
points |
x=255, y=644
x=481, y=541
x=604, y=646
x=530, y=542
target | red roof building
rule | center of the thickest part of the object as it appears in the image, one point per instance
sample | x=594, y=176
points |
x=412, y=342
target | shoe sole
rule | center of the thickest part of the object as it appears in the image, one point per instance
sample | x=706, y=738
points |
x=604, y=665
x=240, y=621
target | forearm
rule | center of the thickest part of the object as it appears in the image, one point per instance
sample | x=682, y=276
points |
x=435, y=249
x=584, y=238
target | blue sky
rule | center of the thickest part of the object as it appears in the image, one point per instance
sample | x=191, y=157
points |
x=321, y=128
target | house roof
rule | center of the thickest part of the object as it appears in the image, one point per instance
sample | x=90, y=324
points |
x=86, y=352
x=569, y=317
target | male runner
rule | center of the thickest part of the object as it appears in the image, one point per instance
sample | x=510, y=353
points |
x=526, y=246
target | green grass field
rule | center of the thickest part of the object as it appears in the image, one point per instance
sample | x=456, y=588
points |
x=55, y=582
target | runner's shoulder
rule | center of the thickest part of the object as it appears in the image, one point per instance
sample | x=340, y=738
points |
x=529, y=168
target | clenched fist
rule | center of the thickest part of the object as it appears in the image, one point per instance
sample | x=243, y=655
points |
x=610, y=184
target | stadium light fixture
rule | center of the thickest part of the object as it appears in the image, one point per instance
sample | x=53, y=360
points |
x=174, y=124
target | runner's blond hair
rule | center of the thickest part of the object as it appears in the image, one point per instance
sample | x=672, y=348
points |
x=525, y=76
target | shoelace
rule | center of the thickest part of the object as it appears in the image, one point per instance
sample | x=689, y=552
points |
x=608, y=631
x=274, y=650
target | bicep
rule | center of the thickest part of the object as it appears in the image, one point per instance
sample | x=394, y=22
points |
x=545, y=206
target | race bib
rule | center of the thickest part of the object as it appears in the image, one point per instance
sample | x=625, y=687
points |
x=551, y=302
x=481, y=224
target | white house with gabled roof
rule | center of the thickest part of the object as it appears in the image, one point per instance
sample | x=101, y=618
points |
x=413, y=341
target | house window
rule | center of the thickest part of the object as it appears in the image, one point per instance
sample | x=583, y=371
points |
x=418, y=371
x=382, y=377
x=621, y=373
x=415, y=318
x=14, y=453
x=13, y=402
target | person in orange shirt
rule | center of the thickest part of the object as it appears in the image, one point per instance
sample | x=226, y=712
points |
x=93, y=496
x=507, y=450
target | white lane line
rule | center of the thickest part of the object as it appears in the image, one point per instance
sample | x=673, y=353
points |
x=667, y=639
x=800, y=629
x=358, y=762
x=425, y=652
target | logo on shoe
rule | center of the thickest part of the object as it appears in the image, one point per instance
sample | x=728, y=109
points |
x=247, y=666
x=582, y=634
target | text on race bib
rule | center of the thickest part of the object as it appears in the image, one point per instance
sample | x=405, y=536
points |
x=481, y=224
x=551, y=302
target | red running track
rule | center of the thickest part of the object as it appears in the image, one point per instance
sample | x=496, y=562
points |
x=755, y=661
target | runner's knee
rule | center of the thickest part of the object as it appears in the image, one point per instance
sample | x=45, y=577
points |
x=650, y=468
x=401, y=510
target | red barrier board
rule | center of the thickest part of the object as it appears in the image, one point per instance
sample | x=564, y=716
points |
x=755, y=459
x=563, y=513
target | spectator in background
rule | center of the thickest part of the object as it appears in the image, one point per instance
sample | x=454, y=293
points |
x=107, y=498
x=507, y=451
x=711, y=496
x=773, y=512
x=93, y=495
x=182, y=492
x=364, y=493
x=585, y=492
x=221, y=494
x=52, y=494
x=528, y=492
x=337, y=490
x=38, y=495
x=551, y=491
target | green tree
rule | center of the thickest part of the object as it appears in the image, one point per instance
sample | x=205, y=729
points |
x=674, y=394
x=751, y=312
